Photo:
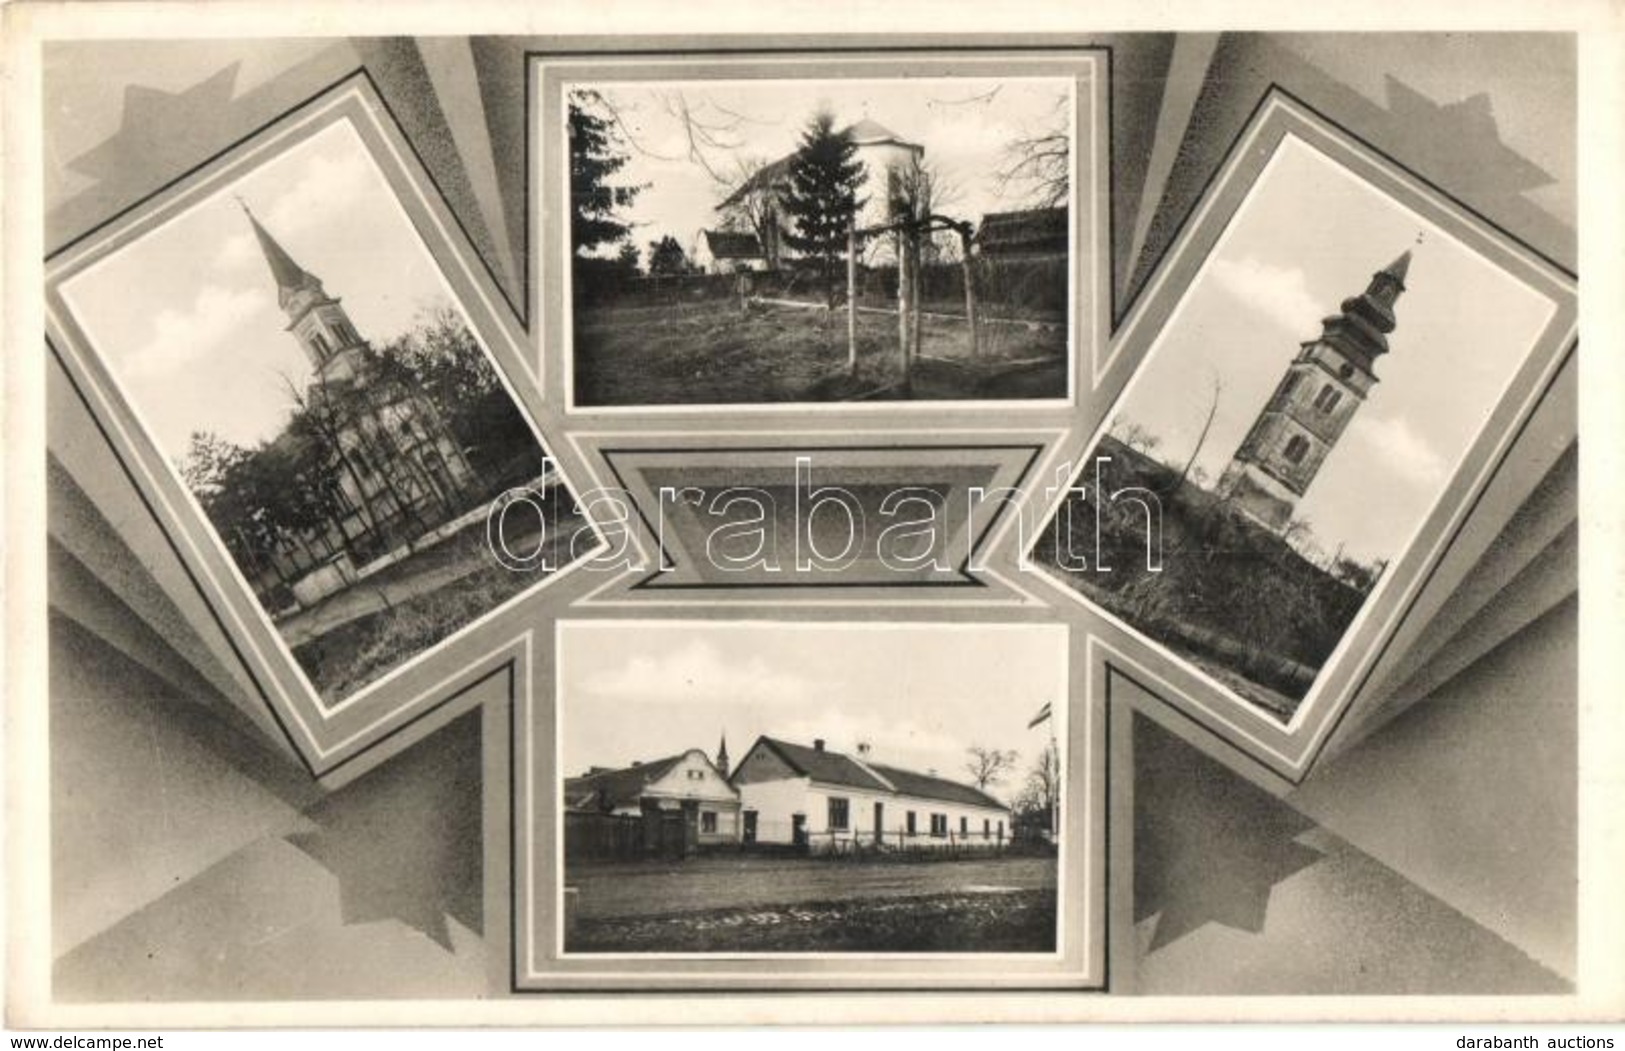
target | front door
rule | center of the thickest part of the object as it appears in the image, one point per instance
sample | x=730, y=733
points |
x=750, y=826
x=880, y=814
x=691, y=826
x=798, y=829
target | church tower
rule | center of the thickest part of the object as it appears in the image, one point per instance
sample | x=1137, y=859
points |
x=722, y=756
x=317, y=320
x=1324, y=385
x=387, y=446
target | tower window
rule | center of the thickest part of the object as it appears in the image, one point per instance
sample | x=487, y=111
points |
x=319, y=343
x=1328, y=398
x=1296, y=447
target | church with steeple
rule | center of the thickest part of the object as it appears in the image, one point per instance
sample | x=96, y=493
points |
x=367, y=438
x=1324, y=385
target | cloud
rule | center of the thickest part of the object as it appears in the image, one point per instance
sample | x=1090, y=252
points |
x=1280, y=293
x=1400, y=452
x=697, y=673
x=324, y=187
x=180, y=337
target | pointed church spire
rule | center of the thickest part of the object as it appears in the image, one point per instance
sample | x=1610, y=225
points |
x=1361, y=330
x=289, y=275
x=1399, y=267
x=722, y=755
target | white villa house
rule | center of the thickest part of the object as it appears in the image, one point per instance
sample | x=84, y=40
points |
x=887, y=159
x=727, y=252
x=688, y=785
x=824, y=800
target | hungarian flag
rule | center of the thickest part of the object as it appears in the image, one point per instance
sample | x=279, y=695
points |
x=1043, y=714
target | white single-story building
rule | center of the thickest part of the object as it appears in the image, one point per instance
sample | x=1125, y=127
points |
x=689, y=784
x=827, y=800
x=728, y=252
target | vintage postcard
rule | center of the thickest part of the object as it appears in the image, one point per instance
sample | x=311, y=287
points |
x=622, y=516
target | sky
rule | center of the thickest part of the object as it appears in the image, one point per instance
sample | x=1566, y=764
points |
x=919, y=694
x=963, y=123
x=187, y=318
x=1309, y=235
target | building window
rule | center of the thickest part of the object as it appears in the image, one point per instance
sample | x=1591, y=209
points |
x=1001, y=831
x=837, y=815
x=320, y=344
x=913, y=828
x=987, y=829
x=964, y=825
x=708, y=821
x=1288, y=386
x=1296, y=447
x=939, y=825
x=1328, y=398
x=696, y=775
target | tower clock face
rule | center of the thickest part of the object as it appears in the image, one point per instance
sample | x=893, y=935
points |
x=1346, y=371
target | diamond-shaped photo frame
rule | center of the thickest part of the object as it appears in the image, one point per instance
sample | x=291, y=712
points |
x=358, y=482
x=1269, y=638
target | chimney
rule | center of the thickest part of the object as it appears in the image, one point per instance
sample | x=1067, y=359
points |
x=818, y=744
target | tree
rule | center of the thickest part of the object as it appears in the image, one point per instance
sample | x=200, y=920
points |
x=1040, y=797
x=822, y=201
x=666, y=256
x=597, y=153
x=208, y=464
x=1201, y=439
x=627, y=259
x=987, y=766
x=750, y=203
x=1136, y=436
x=440, y=358
x=1037, y=167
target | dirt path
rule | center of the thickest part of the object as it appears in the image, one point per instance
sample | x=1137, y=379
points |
x=440, y=568
x=699, y=884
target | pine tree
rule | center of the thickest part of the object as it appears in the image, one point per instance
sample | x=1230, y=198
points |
x=823, y=199
x=666, y=256
x=596, y=154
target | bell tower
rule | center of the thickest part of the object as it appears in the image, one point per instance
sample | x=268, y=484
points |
x=1324, y=385
x=317, y=320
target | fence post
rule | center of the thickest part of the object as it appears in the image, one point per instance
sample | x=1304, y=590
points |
x=970, y=288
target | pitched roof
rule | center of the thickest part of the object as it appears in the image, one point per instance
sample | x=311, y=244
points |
x=610, y=789
x=928, y=786
x=866, y=131
x=832, y=768
x=836, y=768
x=1034, y=229
x=733, y=244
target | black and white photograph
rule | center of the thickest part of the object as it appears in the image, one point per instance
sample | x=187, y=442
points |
x=830, y=240
x=1298, y=418
x=789, y=789
x=298, y=360
x=634, y=516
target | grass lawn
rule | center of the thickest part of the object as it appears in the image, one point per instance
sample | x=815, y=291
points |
x=1230, y=597
x=712, y=353
x=748, y=903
